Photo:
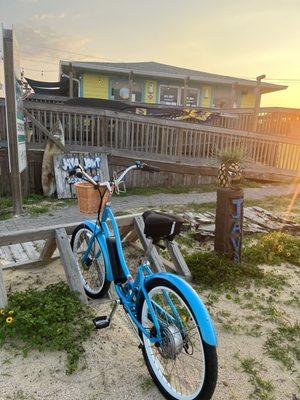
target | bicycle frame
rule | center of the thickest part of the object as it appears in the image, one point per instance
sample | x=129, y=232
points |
x=129, y=294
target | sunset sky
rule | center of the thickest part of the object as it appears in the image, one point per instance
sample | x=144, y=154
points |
x=230, y=37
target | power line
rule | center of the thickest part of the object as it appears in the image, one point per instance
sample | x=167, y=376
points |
x=72, y=52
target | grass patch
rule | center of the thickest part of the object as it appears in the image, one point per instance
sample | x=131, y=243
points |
x=275, y=203
x=212, y=270
x=283, y=344
x=274, y=248
x=196, y=207
x=205, y=187
x=263, y=389
x=52, y=319
x=146, y=383
x=35, y=210
x=151, y=190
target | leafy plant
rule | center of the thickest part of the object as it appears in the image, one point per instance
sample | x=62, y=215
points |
x=229, y=155
x=263, y=389
x=274, y=248
x=213, y=270
x=283, y=344
x=52, y=319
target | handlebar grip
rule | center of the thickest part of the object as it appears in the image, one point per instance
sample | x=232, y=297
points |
x=150, y=168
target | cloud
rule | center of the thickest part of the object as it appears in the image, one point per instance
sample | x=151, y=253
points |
x=47, y=44
x=43, y=17
x=29, y=1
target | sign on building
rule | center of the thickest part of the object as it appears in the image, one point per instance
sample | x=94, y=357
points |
x=13, y=89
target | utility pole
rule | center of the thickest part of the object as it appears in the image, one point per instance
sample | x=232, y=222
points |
x=257, y=101
x=14, y=118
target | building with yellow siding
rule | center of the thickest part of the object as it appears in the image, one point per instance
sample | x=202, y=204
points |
x=156, y=83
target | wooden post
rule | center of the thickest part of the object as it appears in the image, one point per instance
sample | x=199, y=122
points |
x=229, y=222
x=3, y=296
x=257, y=101
x=11, y=118
x=71, y=82
x=48, y=249
x=130, y=80
x=69, y=264
x=178, y=260
x=179, y=144
x=154, y=257
x=234, y=87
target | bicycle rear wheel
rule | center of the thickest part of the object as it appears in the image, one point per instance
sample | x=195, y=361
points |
x=182, y=365
x=90, y=262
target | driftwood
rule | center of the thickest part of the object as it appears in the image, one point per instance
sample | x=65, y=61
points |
x=256, y=220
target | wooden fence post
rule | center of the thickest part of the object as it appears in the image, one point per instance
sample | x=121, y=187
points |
x=69, y=264
x=229, y=222
x=179, y=144
x=11, y=118
x=3, y=296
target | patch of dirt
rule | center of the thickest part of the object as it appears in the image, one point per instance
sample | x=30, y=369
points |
x=113, y=366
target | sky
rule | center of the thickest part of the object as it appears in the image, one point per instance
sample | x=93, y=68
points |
x=228, y=37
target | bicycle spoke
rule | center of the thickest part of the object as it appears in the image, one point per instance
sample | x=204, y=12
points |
x=182, y=372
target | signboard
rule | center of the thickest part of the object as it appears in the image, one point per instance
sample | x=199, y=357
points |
x=95, y=165
x=14, y=87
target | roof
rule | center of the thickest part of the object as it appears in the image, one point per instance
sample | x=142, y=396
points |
x=159, y=70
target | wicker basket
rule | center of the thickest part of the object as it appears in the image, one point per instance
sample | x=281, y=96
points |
x=89, y=198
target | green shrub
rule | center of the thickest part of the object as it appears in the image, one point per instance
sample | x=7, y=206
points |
x=214, y=270
x=51, y=319
x=274, y=248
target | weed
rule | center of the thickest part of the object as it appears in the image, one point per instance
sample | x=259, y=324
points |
x=196, y=207
x=263, y=389
x=146, y=383
x=52, y=319
x=42, y=209
x=274, y=248
x=212, y=270
x=275, y=203
x=283, y=344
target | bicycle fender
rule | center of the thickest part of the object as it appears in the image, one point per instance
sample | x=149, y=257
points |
x=200, y=312
x=102, y=243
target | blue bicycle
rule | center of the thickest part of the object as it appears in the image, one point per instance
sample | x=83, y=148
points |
x=174, y=329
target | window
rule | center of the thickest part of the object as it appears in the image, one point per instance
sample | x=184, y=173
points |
x=222, y=97
x=120, y=90
x=191, y=97
x=169, y=95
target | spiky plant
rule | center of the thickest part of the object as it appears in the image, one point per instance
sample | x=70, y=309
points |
x=230, y=173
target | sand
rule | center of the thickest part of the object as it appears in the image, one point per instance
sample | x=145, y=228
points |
x=113, y=367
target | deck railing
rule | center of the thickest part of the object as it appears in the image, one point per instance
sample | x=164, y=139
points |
x=156, y=138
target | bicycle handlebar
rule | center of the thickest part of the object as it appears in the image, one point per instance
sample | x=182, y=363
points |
x=138, y=165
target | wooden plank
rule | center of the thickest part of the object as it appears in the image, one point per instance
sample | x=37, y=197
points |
x=29, y=264
x=154, y=257
x=168, y=264
x=48, y=249
x=3, y=295
x=178, y=260
x=48, y=232
x=69, y=263
x=40, y=126
x=11, y=119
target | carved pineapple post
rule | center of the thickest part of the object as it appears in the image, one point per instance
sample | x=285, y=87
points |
x=229, y=212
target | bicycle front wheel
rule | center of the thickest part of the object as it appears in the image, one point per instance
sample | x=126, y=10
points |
x=182, y=365
x=90, y=262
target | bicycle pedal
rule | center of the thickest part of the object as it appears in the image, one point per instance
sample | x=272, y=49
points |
x=101, y=322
